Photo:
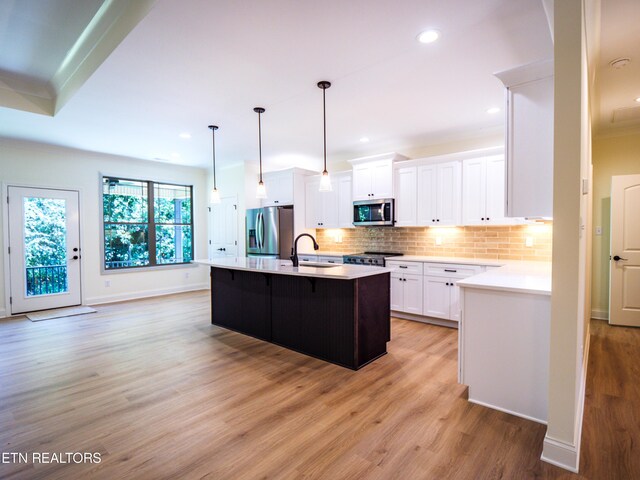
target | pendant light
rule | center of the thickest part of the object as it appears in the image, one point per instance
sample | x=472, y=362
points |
x=261, y=191
x=325, y=180
x=215, y=194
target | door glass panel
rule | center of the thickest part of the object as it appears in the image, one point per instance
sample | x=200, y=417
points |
x=45, y=246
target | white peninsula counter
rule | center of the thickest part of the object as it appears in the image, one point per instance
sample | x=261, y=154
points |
x=504, y=338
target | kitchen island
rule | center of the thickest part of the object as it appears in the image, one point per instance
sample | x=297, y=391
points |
x=337, y=313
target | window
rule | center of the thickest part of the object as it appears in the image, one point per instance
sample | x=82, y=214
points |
x=146, y=223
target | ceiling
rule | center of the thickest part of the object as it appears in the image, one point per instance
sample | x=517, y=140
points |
x=617, y=88
x=182, y=65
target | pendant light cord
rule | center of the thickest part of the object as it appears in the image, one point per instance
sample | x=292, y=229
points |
x=213, y=144
x=259, y=111
x=324, y=130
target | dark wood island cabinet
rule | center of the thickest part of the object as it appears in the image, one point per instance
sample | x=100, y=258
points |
x=341, y=316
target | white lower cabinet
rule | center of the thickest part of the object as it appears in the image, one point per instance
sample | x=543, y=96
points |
x=406, y=293
x=441, y=298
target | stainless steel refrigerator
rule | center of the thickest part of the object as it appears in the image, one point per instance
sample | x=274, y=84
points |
x=269, y=232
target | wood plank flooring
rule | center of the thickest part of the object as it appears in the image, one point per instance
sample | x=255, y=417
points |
x=161, y=393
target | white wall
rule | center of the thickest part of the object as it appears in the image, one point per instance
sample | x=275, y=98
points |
x=33, y=164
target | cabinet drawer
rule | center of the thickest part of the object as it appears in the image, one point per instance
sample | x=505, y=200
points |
x=451, y=270
x=307, y=258
x=405, y=267
x=327, y=259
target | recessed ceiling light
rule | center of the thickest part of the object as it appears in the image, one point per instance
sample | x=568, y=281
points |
x=428, y=36
x=364, y=139
x=638, y=99
x=175, y=155
x=493, y=110
x=185, y=135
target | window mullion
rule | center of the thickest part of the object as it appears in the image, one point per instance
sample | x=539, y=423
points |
x=152, y=223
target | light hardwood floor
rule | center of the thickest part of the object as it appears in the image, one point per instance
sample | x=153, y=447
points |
x=161, y=393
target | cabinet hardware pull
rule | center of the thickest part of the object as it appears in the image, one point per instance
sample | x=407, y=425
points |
x=452, y=271
x=402, y=266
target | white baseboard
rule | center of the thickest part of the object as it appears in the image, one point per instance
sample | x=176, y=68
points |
x=421, y=318
x=506, y=410
x=600, y=314
x=3, y=312
x=119, y=297
x=557, y=452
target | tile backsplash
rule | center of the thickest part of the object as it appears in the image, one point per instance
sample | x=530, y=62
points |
x=514, y=242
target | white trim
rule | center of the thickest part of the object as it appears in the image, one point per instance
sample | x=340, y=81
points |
x=3, y=313
x=560, y=454
x=599, y=314
x=119, y=297
x=506, y=410
x=423, y=319
x=557, y=452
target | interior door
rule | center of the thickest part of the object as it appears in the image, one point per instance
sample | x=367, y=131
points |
x=624, y=284
x=224, y=228
x=44, y=249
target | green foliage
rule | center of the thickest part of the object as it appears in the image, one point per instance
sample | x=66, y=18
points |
x=45, y=232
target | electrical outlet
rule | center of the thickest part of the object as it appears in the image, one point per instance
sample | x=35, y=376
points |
x=438, y=240
x=107, y=283
x=598, y=230
x=528, y=242
x=186, y=274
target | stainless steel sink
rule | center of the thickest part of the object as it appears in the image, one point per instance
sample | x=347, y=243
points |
x=318, y=265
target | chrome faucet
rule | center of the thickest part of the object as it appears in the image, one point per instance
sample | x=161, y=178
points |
x=294, y=257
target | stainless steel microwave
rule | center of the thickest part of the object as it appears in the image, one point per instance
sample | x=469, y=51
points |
x=373, y=212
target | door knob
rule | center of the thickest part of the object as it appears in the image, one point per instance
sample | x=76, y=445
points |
x=618, y=258
x=75, y=249
x=75, y=257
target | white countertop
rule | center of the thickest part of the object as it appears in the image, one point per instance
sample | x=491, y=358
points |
x=285, y=267
x=457, y=260
x=523, y=277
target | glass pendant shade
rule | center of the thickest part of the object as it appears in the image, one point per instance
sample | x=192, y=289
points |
x=325, y=182
x=261, y=191
x=214, y=196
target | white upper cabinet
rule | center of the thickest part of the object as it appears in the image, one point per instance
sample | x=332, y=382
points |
x=483, y=187
x=373, y=176
x=438, y=195
x=345, y=201
x=279, y=187
x=529, y=139
x=406, y=189
x=328, y=209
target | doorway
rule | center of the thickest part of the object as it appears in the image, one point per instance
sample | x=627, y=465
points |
x=224, y=228
x=44, y=249
x=624, y=282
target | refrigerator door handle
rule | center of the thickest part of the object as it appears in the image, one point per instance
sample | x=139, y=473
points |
x=262, y=230
x=259, y=230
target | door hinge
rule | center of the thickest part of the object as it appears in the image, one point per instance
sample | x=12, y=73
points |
x=7, y=199
x=235, y=207
x=9, y=248
x=209, y=242
x=235, y=242
x=10, y=300
x=209, y=208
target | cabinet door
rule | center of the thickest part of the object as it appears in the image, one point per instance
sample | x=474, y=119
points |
x=413, y=294
x=329, y=202
x=397, y=292
x=406, y=196
x=495, y=181
x=362, y=179
x=382, y=179
x=474, y=191
x=436, y=297
x=454, y=302
x=449, y=185
x=345, y=203
x=427, y=195
x=313, y=204
x=279, y=189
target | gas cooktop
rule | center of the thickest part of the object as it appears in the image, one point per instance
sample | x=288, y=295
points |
x=369, y=258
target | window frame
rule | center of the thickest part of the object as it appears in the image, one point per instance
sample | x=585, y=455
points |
x=151, y=226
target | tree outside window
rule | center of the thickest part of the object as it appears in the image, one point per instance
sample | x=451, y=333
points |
x=146, y=223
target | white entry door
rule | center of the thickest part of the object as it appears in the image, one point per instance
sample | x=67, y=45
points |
x=224, y=228
x=44, y=249
x=624, y=284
